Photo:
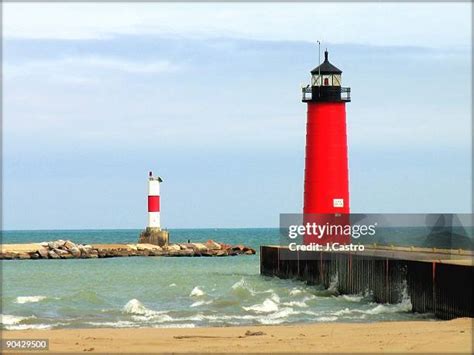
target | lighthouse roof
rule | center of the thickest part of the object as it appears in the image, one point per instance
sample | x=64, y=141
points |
x=326, y=67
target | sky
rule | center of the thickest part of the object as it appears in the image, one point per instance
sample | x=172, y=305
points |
x=208, y=96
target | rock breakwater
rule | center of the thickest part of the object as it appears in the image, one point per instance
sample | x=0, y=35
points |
x=66, y=249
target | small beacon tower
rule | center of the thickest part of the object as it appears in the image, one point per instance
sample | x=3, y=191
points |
x=326, y=177
x=153, y=233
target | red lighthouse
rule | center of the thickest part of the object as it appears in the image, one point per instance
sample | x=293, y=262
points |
x=326, y=178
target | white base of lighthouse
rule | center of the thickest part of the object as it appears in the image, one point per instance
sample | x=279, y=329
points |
x=154, y=220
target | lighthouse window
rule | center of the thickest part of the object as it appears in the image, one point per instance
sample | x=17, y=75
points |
x=316, y=80
x=326, y=81
x=336, y=80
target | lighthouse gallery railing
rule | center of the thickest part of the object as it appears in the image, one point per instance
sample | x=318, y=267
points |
x=308, y=92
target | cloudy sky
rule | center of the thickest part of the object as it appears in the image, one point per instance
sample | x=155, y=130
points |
x=208, y=96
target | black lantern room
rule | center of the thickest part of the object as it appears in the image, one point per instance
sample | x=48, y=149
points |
x=326, y=84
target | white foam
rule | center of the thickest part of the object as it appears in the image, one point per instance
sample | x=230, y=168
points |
x=172, y=285
x=326, y=319
x=196, y=292
x=242, y=284
x=183, y=325
x=200, y=303
x=404, y=306
x=295, y=304
x=239, y=284
x=141, y=313
x=134, y=306
x=267, y=321
x=7, y=319
x=352, y=298
x=333, y=284
x=281, y=314
x=266, y=307
x=118, y=324
x=390, y=308
x=295, y=292
x=29, y=299
x=344, y=311
x=275, y=298
x=28, y=326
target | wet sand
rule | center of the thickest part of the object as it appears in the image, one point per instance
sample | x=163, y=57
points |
x=401, y=337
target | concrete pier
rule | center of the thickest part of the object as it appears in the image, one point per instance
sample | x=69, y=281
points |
x=437, y=281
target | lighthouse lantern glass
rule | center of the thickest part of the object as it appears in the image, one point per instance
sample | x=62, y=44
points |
x=326, y=80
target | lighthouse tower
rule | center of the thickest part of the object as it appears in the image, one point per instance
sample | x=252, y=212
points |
x=153, y=234
x=326, y=178
x=154, y=201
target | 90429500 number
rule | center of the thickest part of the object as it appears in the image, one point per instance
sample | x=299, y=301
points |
x=25, y=344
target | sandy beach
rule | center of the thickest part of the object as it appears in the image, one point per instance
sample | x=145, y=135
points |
x=419, y=336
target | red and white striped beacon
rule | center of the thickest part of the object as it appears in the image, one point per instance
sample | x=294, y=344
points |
x=153, y=234
x=154, y=201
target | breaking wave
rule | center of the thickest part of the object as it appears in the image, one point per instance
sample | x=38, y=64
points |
x=6, y=319
x=31, y=326
x=200, y=303
x=266, y=307
x=196, y=292
x=141, y=313
x=29, y=299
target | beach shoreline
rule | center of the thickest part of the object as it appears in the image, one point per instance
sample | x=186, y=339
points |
x=453, y=336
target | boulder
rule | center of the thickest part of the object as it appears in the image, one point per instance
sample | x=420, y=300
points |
x=52, y=254
x=212, y=245
x=249, y=251
x=156, y=252
x=53, y=245
x=34, y=255
x=145, y=246
x=93, y=253
x=84, y=249
x=239, y=248
x=44, y=244
x=56, y=244
x=200, y=246
x=69, y=245
x=75, y=252
x=64, y=254
x=225, y=246
x=43, y=253
x=221, y=253
x=173, y=247
x=186, y=252
x=24, y=256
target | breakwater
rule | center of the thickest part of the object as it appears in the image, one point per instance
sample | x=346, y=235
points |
x=437, y=281
x=66, y=249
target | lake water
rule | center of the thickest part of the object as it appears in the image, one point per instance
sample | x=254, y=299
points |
x=170, y=292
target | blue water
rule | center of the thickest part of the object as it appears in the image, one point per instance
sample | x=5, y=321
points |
x=169, y=292
x=252, y=237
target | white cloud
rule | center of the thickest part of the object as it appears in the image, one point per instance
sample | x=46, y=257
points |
x=419, y=24
x=81, y=70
